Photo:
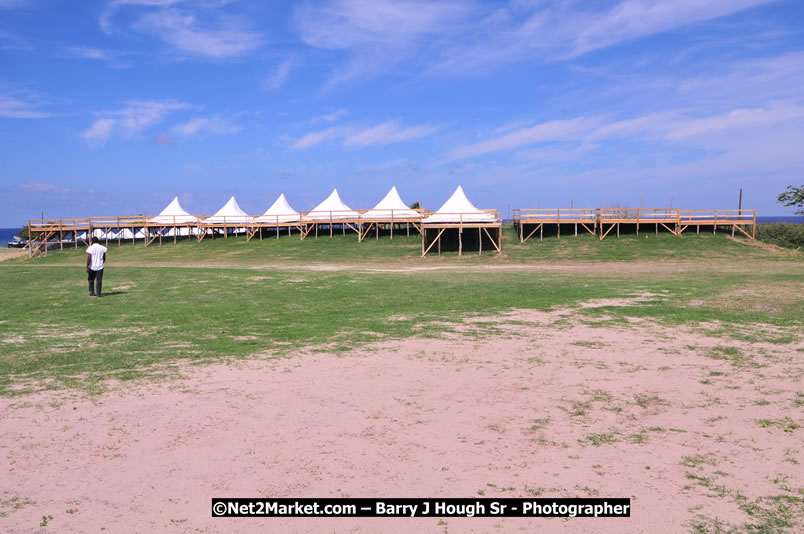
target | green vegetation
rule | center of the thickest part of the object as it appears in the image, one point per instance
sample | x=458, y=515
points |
x=787, y=235
x=194, y=302
x=345, y=249
x=793, y=197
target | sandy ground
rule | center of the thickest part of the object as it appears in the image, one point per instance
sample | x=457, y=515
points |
x=8, y=253
x=540, y=409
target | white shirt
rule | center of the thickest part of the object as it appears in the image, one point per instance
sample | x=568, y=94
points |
x=96, y=251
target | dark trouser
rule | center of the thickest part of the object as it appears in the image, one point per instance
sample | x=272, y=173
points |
x=97, y=278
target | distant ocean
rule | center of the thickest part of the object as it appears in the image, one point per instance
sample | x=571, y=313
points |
x=6, y=234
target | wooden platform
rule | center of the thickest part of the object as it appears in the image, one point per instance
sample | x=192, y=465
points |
x=461, y=225
x=602, y=221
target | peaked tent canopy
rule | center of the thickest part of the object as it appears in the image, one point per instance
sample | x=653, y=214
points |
x=229, y=213
x=173, y=214
x=279, y=212
x=392, y=207
x=458, y=209
x=332, y=208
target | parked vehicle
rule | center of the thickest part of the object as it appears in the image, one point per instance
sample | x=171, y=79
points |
x=16, y=242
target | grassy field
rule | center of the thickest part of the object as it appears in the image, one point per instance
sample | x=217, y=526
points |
x=228, y=298
x=344, y=249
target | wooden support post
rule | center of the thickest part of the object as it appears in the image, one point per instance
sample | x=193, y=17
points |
x=618, y=230
x=439, y=243
x=698, y=229
x=408, y=226
x=541, y=231
x=61, y=238
x=576, y=229
x=657, y=229
x=479, y=241
x=424, y=239
x=392, y=226
x=160, y=236
x=316, y=230
x=460, y=242
x=175, y=231
x=521, y=240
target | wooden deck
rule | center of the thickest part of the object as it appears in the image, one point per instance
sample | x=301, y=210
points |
x=463, y=222
x=602, y=221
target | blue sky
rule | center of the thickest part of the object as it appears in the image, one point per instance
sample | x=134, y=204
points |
x=113, y=107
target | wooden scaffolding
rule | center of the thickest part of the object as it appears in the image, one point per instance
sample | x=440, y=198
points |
x=462, y=221
x=529, y=221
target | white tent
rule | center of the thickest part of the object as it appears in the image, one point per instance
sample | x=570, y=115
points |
x=279, y=212
x=229, y=213
x=391, y=207
x=458, y=209
x=173, y=214
x=332, y=208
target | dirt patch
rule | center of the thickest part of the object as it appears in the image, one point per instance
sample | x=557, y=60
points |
x=566, y=411
x=9, y=253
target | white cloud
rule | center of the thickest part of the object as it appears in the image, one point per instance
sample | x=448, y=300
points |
x=334, y=116
x=378, y=33
x=382, y=134
x=389, y=132
x=549, y=131
x=11, y=4
x=182, y=30
x=113, y=6
x=10, y=41
x=112, y=57
x=164, y=139
x=38, y=187
x=313, y=138
x=212, y=125
x=22, y=105
x=135, y=117
x=725, y=131
x=738, y=119
x=279, y=76
x=473, y=38
x=342, y=24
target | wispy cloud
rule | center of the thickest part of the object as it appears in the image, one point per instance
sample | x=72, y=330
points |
x=382, y=134
x=185, y=33
x=164, y=139
x=377, y=33
x=137, y=115
x=676, y=126
x=113, y=6
x=473, y=38
x=38, y=187
x=11, y=41
x=544, y=132
x=389, y=132
x=279, y=76
x=23, y=105
x=216, y=125
x=12, y=4
x=112, y=57
x=333, y=116
x=313, y=138
x=196, y=29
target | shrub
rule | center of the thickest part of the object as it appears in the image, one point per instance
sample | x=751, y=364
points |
x=788, y=235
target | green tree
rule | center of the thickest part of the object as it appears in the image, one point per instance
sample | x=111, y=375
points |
x=793, y=197
x=415, y=205
x=24, y=233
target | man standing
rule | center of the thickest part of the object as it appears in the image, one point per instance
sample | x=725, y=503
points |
x=96, y=257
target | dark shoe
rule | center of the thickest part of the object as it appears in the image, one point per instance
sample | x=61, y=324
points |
x=99, y=295
x=92, y=294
